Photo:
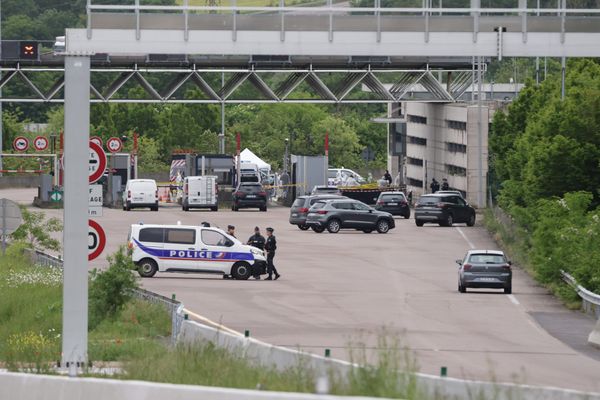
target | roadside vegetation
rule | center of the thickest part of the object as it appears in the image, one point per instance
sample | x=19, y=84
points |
x=545, y=172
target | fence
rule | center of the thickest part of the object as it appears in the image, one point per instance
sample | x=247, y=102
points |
x=174, y=307
x=590, y=300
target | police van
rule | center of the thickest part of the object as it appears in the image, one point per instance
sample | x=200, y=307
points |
x=185, y=248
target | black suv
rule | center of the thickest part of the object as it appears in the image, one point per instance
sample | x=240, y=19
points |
x=334, y=215
x=299, y=209
x=443, y=209
x=249, y=194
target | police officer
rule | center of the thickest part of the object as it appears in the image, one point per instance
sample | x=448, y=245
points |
x=257, y=240
x=270, y=247
x=231, y=230
x=445, y=185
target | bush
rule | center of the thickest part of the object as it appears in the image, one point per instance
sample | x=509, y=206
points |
x=111, y=289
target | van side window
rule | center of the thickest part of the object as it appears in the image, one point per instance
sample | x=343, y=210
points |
x=152, y=235
x=180, y=236
x=213, y=238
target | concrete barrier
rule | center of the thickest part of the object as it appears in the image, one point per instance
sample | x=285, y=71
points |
x=430, y=386
x=17, y=386
x=594, y=338
x=19, y=181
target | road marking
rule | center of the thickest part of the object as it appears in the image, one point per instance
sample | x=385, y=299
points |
x=210, y=322
x=465, y=237
x=513, y=299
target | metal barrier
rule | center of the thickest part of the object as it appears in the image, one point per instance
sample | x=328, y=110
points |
x=174, y=307
x=591, y=301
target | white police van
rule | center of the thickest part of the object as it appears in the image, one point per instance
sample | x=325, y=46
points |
x=185, y=248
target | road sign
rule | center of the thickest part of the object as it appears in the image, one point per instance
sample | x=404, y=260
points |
x=20, y=143
x=96, y=239
x=56, y=195
x=40, y=143
x=10, y=219
x=95, y=203
x=94, y=211
x=114, y=144
x=97, y=163
x=97, y=140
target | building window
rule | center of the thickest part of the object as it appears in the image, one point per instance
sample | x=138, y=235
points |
x=455, y=170
x=456, y=147
x=458, y=125
x=415, y=182
x=417, y=140
x=417, y=119
x=415, y=161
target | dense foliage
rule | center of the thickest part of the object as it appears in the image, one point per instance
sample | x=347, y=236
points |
x=545, y=166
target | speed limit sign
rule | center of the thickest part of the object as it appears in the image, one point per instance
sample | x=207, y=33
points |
x=114, y=144
x=20, y=143
x=96, y=239
x=40, y=143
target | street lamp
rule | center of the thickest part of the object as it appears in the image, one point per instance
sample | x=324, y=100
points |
x=286, y=155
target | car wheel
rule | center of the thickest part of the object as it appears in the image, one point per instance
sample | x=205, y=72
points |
x=147, y=268
x=471, y=220
x=418, y=222
x=508, y=289
x=407, y=215
x=318, y=229
x=461, y=288
x=263, y=208
x=334, y=226
x=241, y=271
x=383, y=226
x=303, y=227
x=367, y=230
x=154, y=208
x=215, y=208
x=449, y=220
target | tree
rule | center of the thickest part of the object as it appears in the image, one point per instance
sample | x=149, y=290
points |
x=36, y=230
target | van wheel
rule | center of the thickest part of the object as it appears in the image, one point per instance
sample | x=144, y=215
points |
x=154, y=208
x=333, y=226
x=383, y=226
x=128, y=206
x=215, y=208
x=241, y=271
x=263, y=208
x=147, y=268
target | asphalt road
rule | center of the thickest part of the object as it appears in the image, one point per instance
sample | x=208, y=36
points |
x=335, y=288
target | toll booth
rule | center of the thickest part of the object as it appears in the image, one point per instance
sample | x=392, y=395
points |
x=307, y=172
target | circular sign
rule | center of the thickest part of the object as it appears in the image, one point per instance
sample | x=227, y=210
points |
x=97, y=140
x=20, y=143
x=97, y=163
x=40, y=143
x=96, y=239
x=114, y=144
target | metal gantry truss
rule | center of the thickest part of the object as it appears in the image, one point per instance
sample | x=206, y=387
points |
x=270, y=85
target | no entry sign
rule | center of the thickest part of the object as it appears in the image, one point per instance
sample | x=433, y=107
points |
x=20, y=143
x=96, y=239
x=114, y=144
x=97, y=163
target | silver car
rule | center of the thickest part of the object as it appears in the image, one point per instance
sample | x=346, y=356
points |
x=484, y=269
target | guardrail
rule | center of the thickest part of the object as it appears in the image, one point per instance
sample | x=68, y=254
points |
x=174, y=307
x=591, y=300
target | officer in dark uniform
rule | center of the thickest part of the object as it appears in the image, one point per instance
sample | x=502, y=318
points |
x=257, y=240
x=270, y=247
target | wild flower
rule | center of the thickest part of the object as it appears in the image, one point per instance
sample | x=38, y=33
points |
x=34, y=276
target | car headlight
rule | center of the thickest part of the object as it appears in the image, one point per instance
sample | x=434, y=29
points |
x=257, y=252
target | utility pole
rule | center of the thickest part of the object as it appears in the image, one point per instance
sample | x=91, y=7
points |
x=1, y=124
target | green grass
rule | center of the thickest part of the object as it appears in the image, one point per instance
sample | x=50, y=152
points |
x=31, y=319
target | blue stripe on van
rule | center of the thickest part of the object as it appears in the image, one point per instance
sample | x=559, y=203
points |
x=195, y=254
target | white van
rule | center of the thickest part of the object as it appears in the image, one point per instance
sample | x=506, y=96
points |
x=140, y=193
x=249, y=173
x=185, y=248
x=200, y=192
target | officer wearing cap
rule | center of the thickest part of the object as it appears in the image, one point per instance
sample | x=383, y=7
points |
x=257, y=240
x=270, y=247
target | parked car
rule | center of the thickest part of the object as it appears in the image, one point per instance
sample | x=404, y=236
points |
x=443, y=209
x=299, y=209
x=456, y=192
x=393, y=202
x=200, y=192
x=140, y=193
x=322, y=189
x=249, y=195
x=484, y=269
x=339, y=176
x=334, y=215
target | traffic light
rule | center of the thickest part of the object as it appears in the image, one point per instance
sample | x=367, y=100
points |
x=28, y=50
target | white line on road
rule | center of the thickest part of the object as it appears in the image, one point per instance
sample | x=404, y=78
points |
x=465, y=237
x=513, y=299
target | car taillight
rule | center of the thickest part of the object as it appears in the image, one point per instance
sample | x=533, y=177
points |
x=262, y=193
x=322, y=212
x=506, y=267
x=156, y=194
x=467, y=267
x=129, y=194
x=380, y=203
x=303, y=210
x=240, y=194
x=403, y=202
x=441, y=205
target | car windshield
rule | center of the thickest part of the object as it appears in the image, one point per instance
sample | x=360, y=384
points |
x=487, y=259
x=326, y=190
x=250, y=188
x=429, y=200
x=392, y=197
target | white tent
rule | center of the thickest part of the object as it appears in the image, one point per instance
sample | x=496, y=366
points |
x=248, y=157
